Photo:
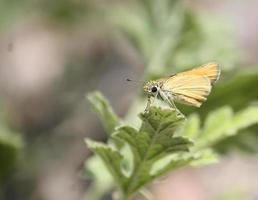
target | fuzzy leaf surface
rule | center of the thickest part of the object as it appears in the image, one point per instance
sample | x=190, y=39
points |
x=153, y=142
x=112, y=160
x=104, y=111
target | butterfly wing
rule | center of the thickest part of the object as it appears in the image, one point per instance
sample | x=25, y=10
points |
x=188, y=89
x=192, y=87
x=209, y=70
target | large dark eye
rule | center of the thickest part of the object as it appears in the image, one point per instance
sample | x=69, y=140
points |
x=154, y=89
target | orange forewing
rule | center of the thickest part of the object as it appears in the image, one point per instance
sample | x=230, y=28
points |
x=193, y=86
x=210, y=70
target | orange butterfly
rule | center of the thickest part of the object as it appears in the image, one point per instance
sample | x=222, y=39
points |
x=190, y=87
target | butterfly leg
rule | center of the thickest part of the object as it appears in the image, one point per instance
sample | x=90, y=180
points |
x=169, y=99
x=150, y=101
x=171, y=102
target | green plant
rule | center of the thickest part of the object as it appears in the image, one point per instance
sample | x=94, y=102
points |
x=10, y=146
x=163, y=143
x=139, y=150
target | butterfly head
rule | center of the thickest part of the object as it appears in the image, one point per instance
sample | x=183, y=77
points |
x=152, y=88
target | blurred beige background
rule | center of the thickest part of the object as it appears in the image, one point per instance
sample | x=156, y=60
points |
x=51, y=55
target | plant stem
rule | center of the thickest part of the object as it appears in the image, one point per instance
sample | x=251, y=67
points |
x=130, y=189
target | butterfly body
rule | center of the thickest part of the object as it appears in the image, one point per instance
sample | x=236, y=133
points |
x=190, y=87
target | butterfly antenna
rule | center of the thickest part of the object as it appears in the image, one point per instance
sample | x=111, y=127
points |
x=131, y=80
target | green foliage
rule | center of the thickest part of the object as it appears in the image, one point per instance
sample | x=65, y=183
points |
x=154, y=141
x=94, y=167
x=102, y=108
x=169, y=34
x=65, y=11
x=238, y=93
x=62, y=12
x=10, y=144
x=219, y=125
x=164, y=142
x=9, y=11
x=102, y=181
x=112, y=159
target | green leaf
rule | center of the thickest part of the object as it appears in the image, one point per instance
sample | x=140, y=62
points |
x=245, y=118
x=163, y=141
x=104, y=111
x=223, y=123
x=199, y=43
x=10, y=144
x=204, y=156
x=138, y=142
x=191, y=129
x=216, y=126
x=219, y=130
x=238, y=92
x=170, y=162
x=217, y=133
x=154, y=141
x=247, y=140
x=151, y=146
x=102, y=180
x=112, y=160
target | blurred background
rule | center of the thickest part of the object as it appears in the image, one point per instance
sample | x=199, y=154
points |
x=54, y=52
